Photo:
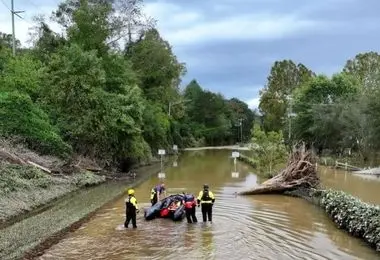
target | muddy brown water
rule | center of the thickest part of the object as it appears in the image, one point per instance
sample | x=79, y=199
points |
x=256, y=227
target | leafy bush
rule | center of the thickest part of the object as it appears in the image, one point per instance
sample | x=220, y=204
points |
x=19, y=116
x=358, y=218
x=23, y=74
x=269, y=148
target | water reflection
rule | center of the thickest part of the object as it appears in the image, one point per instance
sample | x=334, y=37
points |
x=207, y=242
x=364, y=187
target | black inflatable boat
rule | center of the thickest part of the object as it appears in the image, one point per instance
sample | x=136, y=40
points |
x=169, y=207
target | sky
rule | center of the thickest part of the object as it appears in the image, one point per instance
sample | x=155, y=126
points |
x=229, y=46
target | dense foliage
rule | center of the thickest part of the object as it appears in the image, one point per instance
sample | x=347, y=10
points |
x=269, y=149
x=107, y=92
x=349, y=213
x=331, y=114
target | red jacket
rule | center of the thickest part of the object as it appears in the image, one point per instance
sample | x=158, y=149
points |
x=190, y=203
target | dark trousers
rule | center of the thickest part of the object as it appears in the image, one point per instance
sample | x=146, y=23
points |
x=206, y=211
x=130, y=216
x=190, y=215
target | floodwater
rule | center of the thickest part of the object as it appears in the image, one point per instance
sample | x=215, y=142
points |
x=244, y=227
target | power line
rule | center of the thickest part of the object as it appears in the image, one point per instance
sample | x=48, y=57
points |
x=33, y=4
x=5, y=5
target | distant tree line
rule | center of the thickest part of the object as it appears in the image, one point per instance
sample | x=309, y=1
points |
x=331, y=114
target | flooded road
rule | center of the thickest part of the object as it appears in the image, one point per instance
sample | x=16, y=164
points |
x=244, y=227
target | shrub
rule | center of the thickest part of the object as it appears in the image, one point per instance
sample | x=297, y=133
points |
x=358, y=218
x=19, y=116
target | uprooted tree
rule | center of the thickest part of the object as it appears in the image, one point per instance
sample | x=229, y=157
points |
x=300, y=172
x=300, y=179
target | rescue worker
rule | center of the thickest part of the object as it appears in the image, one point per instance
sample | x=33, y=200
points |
x=131, y=209
x=156, y=192
x=206, y=200
x=190, y=203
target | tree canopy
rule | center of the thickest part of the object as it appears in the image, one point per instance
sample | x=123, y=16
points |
x=108, y=88
x=328, y=113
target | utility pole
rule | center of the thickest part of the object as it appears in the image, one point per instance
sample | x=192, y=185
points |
x=290, y=118
x=241, y=129
x=290, y=114
x=13, y=12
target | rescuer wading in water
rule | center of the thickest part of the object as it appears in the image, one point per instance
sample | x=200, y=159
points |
x=206, y=200
x=131, y=209
x=156, y=192
x=190, y=204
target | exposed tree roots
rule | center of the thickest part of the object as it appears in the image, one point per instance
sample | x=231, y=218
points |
x=300, y=172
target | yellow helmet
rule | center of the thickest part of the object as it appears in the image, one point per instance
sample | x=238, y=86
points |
x=131, y=192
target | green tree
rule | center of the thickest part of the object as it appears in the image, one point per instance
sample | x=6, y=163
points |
x=98, y=123
x=285, y=76
x=22, y=73
x=6, y=41
x=91, y=28
x=317, y=109
x=21, y=118
x=366, y=68
x=45, y=41
x=268, y=148
x=158, y=69
x=124, y=18
x=240, y=114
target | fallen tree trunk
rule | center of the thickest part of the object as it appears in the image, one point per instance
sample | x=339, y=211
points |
x=299, y=172
x=11, y=157
x=39, y=167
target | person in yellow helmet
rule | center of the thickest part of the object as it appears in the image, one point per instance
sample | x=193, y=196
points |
x=206, y=200
x=131, y=209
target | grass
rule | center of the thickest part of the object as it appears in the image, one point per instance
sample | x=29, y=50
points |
x=24, y=188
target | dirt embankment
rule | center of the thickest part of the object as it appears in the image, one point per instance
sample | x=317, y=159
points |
x=31, y=183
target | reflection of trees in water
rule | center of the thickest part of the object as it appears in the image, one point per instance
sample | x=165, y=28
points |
x=344, y=241
x=364, y=189
x=207, y=241
x=301, y=217
x=212, y=168
x=190, y=236
x=199, y=153
x=292, y=215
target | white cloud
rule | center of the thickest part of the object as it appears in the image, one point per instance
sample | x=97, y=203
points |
x=183, y=27
x=253, y=103
x=171, y=16
x=251, y=27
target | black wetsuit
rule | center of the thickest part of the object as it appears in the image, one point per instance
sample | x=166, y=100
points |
x=130, y=211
